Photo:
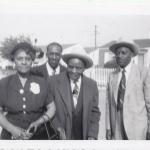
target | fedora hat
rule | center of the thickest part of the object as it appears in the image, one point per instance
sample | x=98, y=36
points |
x=77, y=51
x=133, y=47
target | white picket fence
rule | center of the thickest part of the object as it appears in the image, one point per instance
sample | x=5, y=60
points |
x=100, y=75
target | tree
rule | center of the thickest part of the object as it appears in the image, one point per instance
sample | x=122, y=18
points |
x=8, y=44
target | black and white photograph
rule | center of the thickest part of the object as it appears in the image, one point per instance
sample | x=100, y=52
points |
x=74, y=75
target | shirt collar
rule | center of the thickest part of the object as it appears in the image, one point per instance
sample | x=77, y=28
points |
x=50, y=69
x=128, y=67
x=78, y=81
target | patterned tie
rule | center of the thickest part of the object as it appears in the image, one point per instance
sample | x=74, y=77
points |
x=75, y=93
x=120, y=100
x=121, y=91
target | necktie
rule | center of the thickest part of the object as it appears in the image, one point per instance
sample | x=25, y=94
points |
x=75, y=93
x=120, y=100
x=121, y=91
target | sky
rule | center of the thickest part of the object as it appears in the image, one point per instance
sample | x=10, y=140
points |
x=75, y=22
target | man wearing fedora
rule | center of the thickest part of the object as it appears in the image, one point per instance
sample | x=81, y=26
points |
x=76, y=98
x=128, y=96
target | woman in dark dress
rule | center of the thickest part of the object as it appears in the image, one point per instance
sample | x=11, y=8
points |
x=24, y=97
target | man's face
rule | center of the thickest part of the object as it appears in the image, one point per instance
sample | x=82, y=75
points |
x=54, y=55
x=75, y=68
x=123, y=56
x=23, y=62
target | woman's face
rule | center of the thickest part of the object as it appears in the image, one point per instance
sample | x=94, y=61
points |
x=23, y=61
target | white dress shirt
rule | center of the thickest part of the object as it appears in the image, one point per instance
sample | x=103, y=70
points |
x=127, y=72
x=50, y=70
x=75, y=97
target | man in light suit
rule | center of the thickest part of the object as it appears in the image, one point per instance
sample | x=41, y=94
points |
x=128, y=96
x=76, y=98
x=52, y=66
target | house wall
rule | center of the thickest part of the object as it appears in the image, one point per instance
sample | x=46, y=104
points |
x=95, y=56
x=147, y=58
x=108, y=56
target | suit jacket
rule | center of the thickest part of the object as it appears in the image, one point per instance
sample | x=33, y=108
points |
x=60, y=89
x=136, y=107
x=42, y=70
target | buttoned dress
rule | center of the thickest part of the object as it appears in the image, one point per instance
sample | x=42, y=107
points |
x=23, y=105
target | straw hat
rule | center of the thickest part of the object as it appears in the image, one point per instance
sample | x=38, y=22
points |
x=77, y=51
x=133, y=47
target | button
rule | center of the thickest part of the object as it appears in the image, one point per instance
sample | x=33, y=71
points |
x=21, y=91
x=24, y=112
x=24, y=106
x=24, y=99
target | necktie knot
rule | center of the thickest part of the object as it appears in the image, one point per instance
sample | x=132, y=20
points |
x=75, y=89
x=123, y=71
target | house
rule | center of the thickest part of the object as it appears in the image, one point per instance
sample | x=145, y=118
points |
x=144, y=53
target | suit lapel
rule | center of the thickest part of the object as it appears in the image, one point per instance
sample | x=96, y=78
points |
x=86, y=93
x=65, y=91
x=45, y=71
x=115, y=84
x=86, y=101
x=131, y=78
x=62, y=68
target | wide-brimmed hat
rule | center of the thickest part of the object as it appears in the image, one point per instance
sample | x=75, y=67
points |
x=77, y=51
x=133, y=47
x=25, y=46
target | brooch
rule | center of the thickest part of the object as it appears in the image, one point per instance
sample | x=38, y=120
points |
x=34, y=88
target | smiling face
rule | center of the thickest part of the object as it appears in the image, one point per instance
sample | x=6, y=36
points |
x=123, y=56
x=54, y=55
x=23, y=61
x=75, y=68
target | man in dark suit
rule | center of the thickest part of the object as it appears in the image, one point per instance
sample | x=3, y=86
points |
x=76, y=98
x=52, y=66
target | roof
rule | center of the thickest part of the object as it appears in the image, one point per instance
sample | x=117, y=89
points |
x=142, y=43
x=107, y=45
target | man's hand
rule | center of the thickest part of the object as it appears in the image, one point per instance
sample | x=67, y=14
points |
x=108, y=134
x=62, y=133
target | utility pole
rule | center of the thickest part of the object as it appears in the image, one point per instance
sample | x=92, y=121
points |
x=95, y=35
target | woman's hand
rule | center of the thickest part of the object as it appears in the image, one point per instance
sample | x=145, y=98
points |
x=19, y=134
x=33, y=127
